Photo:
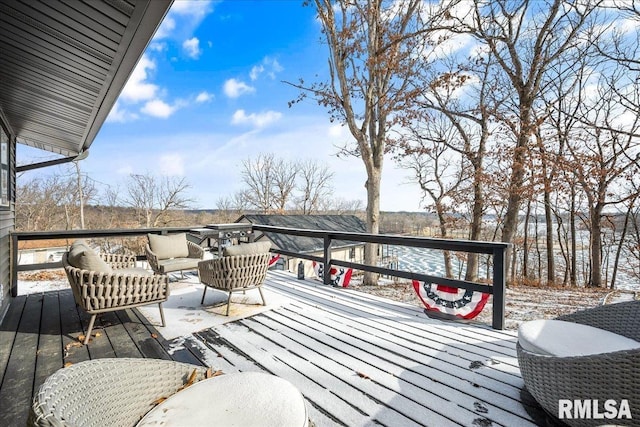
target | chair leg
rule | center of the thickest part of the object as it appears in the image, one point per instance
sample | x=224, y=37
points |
x=264, y=301
x=228, y=303
x=161, y=314
x=91, y=322
x=204, y=292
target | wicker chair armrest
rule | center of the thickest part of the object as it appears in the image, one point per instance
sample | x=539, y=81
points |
x=152, y=259
x=118, y=261
x=210, y=271
x=604, y=376
x=195, y=251
x=621, y=318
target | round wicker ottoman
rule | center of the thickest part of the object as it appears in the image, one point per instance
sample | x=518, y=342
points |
x=243, y=399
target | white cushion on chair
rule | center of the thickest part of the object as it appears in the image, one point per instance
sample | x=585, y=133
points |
x=169, y=246
x=82, y=257
x=247, y=249
x=566, y=339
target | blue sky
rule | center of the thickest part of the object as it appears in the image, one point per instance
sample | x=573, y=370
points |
x=208, y=94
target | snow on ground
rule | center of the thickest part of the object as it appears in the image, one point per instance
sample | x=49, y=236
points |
x=522, y=302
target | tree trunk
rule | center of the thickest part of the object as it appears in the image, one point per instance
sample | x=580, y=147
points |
x=448, y=271
x=80, y=194
x=595, y=279
x=525, y=243
x=551, y=264
x=373, y=221
x=623, y=235
x=572, y=224
x=476, y=225
x=510, y=225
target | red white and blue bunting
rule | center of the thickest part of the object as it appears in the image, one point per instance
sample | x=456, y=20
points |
x=274, y=259
x=340, y=276
x=449, y=302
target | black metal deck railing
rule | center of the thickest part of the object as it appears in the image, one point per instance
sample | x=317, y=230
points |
x=497, y=250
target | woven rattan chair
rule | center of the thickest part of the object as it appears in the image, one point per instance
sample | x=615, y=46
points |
x=107, y=392
x=604, y=376
x=232, y=273
x=126, y=287
x=179, y=254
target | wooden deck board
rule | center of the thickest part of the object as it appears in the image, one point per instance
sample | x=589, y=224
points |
x=395, y=366
x=17, y=384
x=119, y=339
x=50, y=354
x=39, y=334
x=358, y=359
x=71, y=327
x=422, y=380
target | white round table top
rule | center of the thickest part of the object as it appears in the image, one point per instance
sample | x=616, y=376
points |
x=242, y=399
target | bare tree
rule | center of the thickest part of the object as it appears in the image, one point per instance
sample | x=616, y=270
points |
x=605, y=155
x=269, y=182
x=374, y=46
x=37, y=203
x=314, y=186
x=284, y=183
x=257, y=175
x=526, y=39
x=438, y=174
x=470, y=118
x=154, y=198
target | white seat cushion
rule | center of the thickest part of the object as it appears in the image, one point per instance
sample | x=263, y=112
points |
x=567, y=339
x=169, y=246
x=247, y=249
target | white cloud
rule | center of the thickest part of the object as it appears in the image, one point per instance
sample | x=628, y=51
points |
x=192, y=47
x=269, y=65
x=171, y=164
x=256, y=71
x=240, y=117
x=194, y=9
x=158, y=46
x=234, y=88
x=183, y=18
x=120, y=115
x=204, y=97
x=137, y=88
x=158, y=108
x=166, y=28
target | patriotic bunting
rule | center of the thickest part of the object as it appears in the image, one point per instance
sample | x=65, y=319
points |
x=449, y=302
x=340, y=276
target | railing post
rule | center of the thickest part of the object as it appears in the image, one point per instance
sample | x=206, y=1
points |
x=499, y=287
x=14, y=266
x=326, y=279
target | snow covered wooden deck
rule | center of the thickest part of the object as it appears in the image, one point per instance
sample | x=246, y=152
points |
x=363, y=360
x=358, y=359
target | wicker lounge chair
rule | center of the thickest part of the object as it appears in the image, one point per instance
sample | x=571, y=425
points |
x=107, y=392
x=241, y=268
x=166, y=254
x=608, y=375
x=112, y=282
